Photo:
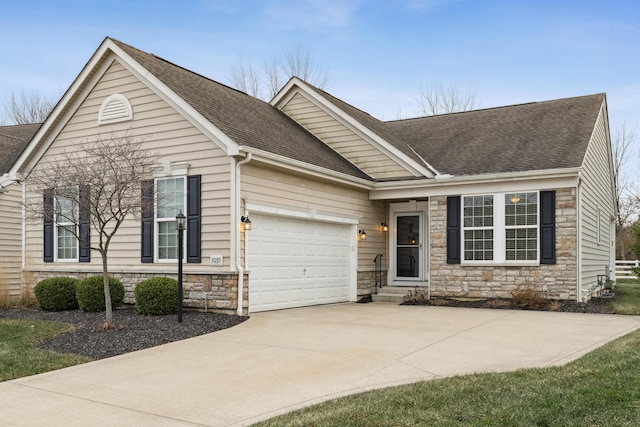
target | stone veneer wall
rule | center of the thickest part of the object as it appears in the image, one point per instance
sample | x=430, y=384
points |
x=557, y=281
x=367, y=282
x=218, y=291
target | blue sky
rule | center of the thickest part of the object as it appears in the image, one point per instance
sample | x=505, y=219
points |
x=378, y=53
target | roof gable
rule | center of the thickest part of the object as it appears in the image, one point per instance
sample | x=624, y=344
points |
x=366, y=127
x=230, y=118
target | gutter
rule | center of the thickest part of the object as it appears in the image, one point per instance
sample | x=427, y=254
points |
x=235, y=224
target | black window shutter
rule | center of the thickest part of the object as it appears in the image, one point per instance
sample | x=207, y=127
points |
x=146, y=232
x=547, y=227
x=85, y=225
x=453, y=230
x=193, y=219
x=48, y=225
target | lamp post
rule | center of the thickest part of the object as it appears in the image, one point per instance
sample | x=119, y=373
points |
x=181, y=224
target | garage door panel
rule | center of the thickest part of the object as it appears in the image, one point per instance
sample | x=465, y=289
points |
x=294, y=263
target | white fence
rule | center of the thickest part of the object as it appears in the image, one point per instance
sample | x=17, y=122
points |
x=623, y=269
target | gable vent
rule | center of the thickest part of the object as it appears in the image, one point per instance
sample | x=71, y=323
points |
x=116, y=108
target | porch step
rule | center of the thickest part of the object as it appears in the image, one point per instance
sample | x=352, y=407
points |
x=391, y=294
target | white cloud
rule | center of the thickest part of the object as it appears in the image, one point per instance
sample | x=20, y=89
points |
x=312, y=15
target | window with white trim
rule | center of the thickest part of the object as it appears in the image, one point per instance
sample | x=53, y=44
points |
x=65, y=215
x=477, y=216
x=171, y=200
x=501, y=227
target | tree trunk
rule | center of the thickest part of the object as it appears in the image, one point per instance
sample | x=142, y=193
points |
x=107, y=293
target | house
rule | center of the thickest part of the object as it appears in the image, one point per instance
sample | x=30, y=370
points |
x=13, y=140
x=472, y=204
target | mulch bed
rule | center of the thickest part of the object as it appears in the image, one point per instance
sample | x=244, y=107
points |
x=130, y=332
x=595, y=305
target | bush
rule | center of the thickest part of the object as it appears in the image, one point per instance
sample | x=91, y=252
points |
x=57, y=294
x=90, y=293
x=158, y=295
x=528, y=296
x=636, y=271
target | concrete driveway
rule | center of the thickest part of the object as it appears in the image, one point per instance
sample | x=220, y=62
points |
x=282, y=360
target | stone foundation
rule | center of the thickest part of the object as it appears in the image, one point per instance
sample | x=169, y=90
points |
x=216, y=292
x=367, y=282
x=557, y=281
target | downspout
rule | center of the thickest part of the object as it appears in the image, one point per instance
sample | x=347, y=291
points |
x=579, y=239
x=235, y=223
x=24, y=225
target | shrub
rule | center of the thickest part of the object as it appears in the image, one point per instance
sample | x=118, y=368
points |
x=528, y=297
x=57, y=294
x=416, y=296
x=90, y=293
x=636, y=271
x=158, y=295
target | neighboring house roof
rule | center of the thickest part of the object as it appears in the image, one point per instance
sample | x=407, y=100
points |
x=248, y=121
x=13, y=139
x=535, y=136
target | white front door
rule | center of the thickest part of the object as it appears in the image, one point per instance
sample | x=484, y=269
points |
x=408, y=241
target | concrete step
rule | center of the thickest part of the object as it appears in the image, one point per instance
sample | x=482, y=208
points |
x=391, y=294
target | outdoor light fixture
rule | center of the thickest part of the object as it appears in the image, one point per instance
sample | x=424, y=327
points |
x=384, y=226
x=246, y=222
x=181, y=225
x=362, y=234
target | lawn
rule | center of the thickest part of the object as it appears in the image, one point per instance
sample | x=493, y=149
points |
x=628, y=302
x=19, y=357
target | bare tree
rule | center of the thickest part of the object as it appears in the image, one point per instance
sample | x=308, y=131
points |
x=293, y=61
x=244, y=77
x=438, y=99
x=27, y=107
x=96, y=183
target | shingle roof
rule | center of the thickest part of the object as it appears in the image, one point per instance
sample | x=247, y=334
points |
x=13, y=139
x=246, y=120
x=535, y=136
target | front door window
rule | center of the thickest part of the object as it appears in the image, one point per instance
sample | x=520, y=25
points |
x=408, y=246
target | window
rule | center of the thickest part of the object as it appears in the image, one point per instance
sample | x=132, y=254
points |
x=478, y=228
x=521, y=226
x=500, y=227
x=171, y=200
x=65, y=217
x=162, y=200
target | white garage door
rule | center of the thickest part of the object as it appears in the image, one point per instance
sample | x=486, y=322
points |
x=296, y=263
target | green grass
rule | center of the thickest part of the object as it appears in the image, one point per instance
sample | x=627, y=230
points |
x=19, y=357
x=628, y=302
x=600, y=389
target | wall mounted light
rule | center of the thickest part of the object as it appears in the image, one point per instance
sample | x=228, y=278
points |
x=384, y=226
x=362, y=234
x=246, y=222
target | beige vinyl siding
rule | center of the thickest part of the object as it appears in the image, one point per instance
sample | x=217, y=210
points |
x=271, y=186
x=10, y=240
x=175, y=140
x=342, y=139
x=596, y=200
